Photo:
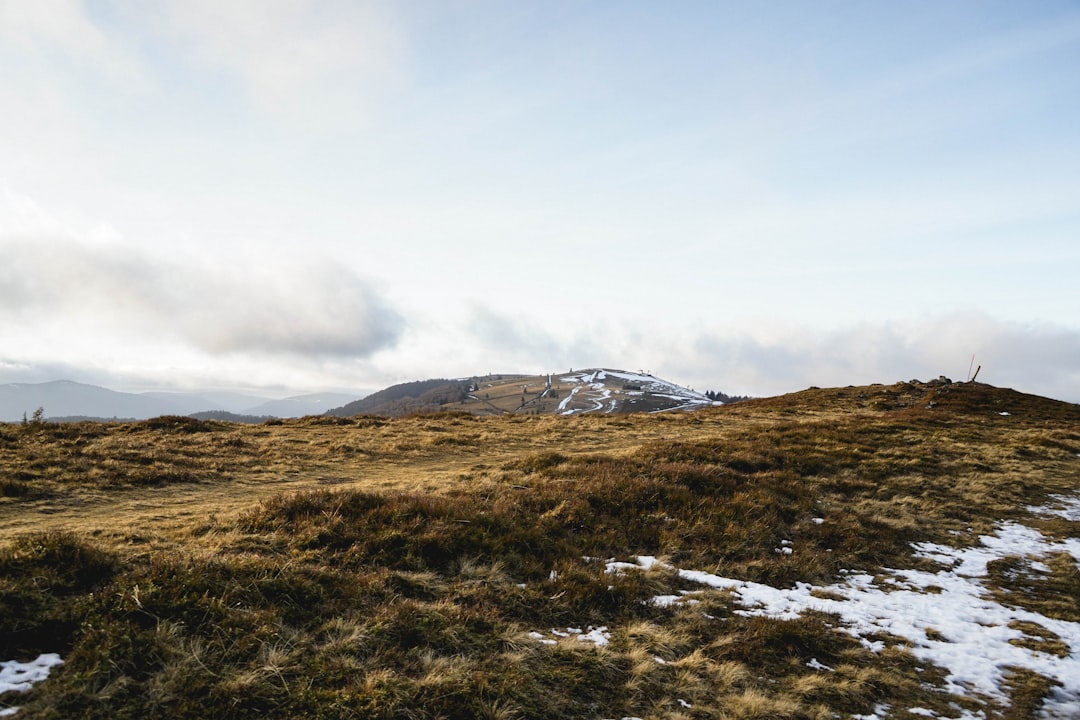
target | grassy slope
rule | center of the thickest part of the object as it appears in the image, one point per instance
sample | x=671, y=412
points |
x=532, y=395
x=393, y=568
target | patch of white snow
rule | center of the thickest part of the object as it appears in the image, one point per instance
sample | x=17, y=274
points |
x=665, y=600
x=1064, y=507
x=18, y=676
x=598, y=636
x=956, y=626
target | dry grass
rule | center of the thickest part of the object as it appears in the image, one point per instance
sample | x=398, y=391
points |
x=365, y=567
x=167, y=476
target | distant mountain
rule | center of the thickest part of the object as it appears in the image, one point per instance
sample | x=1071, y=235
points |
x=71, y=400
x=301, y=405
x=226, y=416
x=597, y=390
x=66, y=398
x=206, y=400
x=185, y=403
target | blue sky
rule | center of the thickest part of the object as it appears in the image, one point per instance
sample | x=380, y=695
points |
x=752, y=198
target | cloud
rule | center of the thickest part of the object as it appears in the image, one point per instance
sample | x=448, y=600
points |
x=1037, y=358
x=519, y=341
x=323, y=61
x=315, y=311
x=82, y=72
x=511, y=337
x=22, y=371
x=60, y=34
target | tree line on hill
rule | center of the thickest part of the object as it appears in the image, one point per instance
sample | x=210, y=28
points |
x=717, y=396
x=405, y=398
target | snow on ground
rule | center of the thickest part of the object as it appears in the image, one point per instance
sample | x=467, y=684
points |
x=1065, y=507
x=946, y=616
x=598, y=636
x=567, y=400
x=18, y=676
x=591, y=386
x=592, y=389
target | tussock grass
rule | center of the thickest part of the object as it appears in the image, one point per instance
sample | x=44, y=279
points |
x=1055, y=594
x=375, y=568
x=1027, y=690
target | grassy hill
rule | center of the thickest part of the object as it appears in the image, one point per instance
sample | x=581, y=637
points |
x=804, y=556
x=596, y=390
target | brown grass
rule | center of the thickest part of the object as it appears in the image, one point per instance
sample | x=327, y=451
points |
x=366, y=567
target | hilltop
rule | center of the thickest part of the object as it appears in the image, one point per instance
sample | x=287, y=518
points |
x=901, y=550
x=595, y=390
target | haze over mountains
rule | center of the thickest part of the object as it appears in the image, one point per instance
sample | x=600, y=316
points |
x=594, y=390
x=64, y=398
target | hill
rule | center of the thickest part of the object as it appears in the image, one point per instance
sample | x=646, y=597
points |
x=63, y=398
x=66, y=401
x=903, y=550
x=594, y=390
x=407, y=398
x=300, y=405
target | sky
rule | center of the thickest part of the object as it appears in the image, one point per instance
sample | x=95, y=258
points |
x=751, y=198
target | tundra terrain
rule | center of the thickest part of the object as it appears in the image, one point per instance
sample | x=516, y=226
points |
x=902, y=550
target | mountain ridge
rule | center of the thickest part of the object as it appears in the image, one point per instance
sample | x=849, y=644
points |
x=65, y=399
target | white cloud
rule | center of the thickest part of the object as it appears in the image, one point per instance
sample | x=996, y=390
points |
x=514, y=338
x=59, y=34
x=758, y=356
x=316, y=311
x=1037, y=358
x=60, y=74
x=322, y=62
x=539, y=189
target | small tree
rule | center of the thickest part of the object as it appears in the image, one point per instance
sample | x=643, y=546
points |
x=37, y=418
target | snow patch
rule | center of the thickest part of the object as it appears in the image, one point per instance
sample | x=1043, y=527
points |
x=18, y=676
x=598, y=636
x=955, y=626
x=591, y=387
x=1064, y=507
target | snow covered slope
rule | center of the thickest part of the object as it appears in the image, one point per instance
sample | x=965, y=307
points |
x=610, y=391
